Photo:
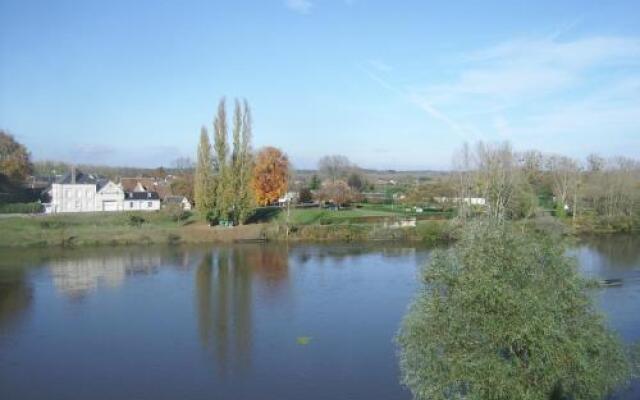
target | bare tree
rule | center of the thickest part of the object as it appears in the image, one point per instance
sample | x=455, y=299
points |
x=565, y=181
x=464, y=179
x=334, y=167
x=496, y=176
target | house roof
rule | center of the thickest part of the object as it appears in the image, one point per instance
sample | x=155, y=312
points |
x=81, y=178
x=174, y=199
x=148, y=184
x=141, y=196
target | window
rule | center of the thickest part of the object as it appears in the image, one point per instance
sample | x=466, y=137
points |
x=131, y=204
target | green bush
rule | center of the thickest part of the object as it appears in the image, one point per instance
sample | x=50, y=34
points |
x=21, y=208
x=505, y=315
x=136, y=221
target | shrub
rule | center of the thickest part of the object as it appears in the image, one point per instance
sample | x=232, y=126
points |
x=21, y=208
x=505, y=315
x=136, y=221
x=176, y=213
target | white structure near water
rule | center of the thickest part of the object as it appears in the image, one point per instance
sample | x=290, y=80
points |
x=472, y=201
x=78, y=192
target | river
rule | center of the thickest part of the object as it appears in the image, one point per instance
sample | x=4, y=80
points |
x=235, y=322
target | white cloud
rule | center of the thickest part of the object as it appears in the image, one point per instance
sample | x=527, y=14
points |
x=528, y=88
x=555, y=95
x=299, y=6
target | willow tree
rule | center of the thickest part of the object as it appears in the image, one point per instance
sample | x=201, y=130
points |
x=204, y=187
x=505, y=315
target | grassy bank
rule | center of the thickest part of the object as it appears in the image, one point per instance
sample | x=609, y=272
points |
x=71, y=230
x=358, y=224
x=100, y=229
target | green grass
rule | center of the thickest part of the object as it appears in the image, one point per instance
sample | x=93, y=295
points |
x=310, y=216
x=88, y=228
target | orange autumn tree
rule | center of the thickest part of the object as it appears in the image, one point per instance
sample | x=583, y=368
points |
x=270, y=175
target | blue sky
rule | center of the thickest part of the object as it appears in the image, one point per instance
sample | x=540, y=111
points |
x=390, y=84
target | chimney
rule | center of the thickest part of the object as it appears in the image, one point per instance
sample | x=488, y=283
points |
x=73, y=174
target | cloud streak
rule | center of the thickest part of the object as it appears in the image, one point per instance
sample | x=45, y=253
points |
x=541, y=87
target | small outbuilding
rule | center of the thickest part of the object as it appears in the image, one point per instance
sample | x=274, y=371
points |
x=180, y=201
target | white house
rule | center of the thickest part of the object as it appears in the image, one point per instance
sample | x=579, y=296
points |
x=289, y=197
x=145, y=201
x=78, y=192
x=110, y=197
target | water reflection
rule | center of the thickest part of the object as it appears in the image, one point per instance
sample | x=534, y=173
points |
x=225, y=296
x=78, y=274
x=182, y=312
x=15, y=297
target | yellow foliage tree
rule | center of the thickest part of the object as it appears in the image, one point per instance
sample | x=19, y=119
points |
x=270, y=175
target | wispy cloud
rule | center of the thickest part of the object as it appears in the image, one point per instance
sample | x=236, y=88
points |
x=464, y=132
x=299, y=6
x=522, y=88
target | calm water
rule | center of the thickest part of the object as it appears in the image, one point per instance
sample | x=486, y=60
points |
x=241, y=322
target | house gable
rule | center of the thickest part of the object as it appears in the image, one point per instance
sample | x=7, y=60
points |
x=111, y=189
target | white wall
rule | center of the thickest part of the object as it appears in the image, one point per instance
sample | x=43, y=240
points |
x=141, y=205
x=110, y=193
x=73, y=198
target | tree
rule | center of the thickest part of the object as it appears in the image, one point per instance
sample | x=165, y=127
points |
x=183, y=186
x=356, y=181
x=305, y=195
x=315, y=182
x=241, y=163
x=464, y=179
x=334, y=167
x=183, y=165
x=204, y=186
x=496, y=176
x=270, y=175
x=505, y=315
x=337, y=192
x=15, y=163
x=224, y=186
x=565, y=178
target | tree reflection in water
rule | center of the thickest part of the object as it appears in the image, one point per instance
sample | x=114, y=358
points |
x=225, y=296
x=15, y=298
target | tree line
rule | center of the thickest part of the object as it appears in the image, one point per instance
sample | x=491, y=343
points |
x=520, y=184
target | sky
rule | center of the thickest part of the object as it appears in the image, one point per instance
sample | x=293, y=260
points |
x=389, y=84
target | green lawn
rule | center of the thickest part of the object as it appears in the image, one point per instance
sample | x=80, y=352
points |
x=87, y=228
x=308, y=216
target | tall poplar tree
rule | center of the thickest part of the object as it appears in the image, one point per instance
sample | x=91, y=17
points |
x=224, y=189
x=242, y=163
x=204, y=180
x=247, y=197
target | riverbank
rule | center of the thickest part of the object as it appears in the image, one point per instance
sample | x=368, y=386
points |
x=315, y=225
x=113, y=229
